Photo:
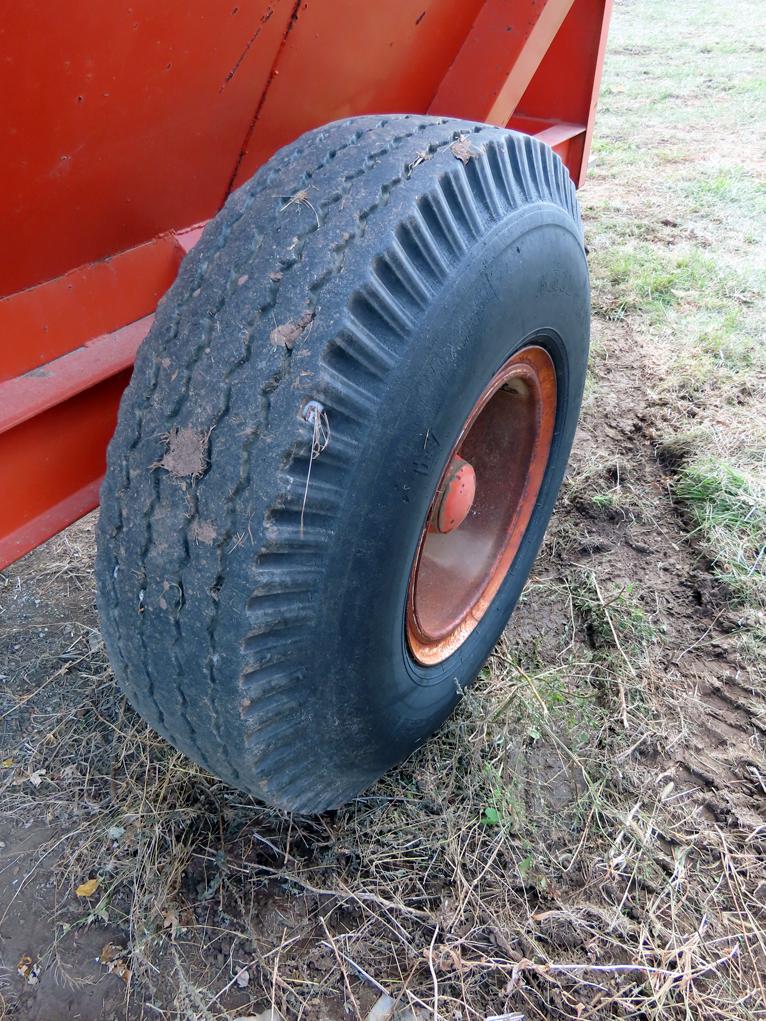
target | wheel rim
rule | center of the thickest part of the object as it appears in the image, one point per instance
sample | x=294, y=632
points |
x=482, y=505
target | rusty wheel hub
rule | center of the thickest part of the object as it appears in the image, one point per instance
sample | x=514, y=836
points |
x=456, y=498
x=482, y=506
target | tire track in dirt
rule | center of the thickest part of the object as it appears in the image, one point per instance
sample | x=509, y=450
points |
x=716, y=751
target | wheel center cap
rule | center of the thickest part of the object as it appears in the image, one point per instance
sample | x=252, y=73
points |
x=457, y=497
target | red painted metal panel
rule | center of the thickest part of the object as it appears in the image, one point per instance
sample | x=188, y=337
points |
x=43, y=322
x=34, y=531
x=566, y=84
x=51, y=466
x=350, y=57
x=119, y=124
x=57, y=419
x=502, y=51
x=43, y=388
x=120, y=121
x=55, y=423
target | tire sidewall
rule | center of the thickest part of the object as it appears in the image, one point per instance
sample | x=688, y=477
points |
x=526, y=281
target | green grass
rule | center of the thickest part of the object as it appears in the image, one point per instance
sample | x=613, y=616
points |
x=675, y=211
x=703, y=253
x=728, y=186
x=605, y=488
x=727, y=507
x=504, y=806
x=721, y=363
x=608, y=500
x=616, y=622
x=639, y=276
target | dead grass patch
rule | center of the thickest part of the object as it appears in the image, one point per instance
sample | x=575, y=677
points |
x=518, y=863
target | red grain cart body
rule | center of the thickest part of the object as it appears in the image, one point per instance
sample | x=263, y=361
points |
x=124, y=127
x=342, y=432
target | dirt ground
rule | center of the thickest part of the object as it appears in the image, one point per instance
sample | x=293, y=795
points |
x=586, y=838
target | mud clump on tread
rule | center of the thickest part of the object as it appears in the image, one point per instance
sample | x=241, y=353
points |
x=288, y=334
x=185, y=456
x=203, y=531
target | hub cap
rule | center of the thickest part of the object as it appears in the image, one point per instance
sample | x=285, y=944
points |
x=457, y=494
x=482, y=506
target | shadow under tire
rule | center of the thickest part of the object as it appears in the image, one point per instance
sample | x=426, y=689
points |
x=289, y=420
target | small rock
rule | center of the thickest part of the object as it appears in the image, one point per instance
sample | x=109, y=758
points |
x=270, y=1014
x=382, y=1009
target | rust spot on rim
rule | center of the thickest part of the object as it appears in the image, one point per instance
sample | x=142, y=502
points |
x=506, y=440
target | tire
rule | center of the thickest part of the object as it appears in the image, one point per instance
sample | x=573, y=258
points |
x=252, y=599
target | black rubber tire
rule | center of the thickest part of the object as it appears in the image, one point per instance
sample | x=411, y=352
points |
x=367, y=267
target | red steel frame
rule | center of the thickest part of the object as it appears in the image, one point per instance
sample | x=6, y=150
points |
x=124, y=128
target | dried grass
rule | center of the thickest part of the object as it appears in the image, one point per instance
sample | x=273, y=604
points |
x=526, y=860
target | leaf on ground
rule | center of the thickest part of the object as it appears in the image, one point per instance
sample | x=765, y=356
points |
x=35, y=778
x=112, y=957
x=243, y=978
x=525, y=865
x=88, y=888
x=171, y=921
x=121, y=970
x=28, y=970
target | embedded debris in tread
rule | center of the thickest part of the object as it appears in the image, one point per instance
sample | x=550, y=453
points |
x=421, y=156
x=288, y=334
x=464, y=150
x=185, y=456
x=301, y=198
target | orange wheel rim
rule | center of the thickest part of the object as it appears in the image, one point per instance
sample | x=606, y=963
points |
x=482, y=506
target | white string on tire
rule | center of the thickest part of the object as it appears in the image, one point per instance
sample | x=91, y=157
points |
x=316, y=416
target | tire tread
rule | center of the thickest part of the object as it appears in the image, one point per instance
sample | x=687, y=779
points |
x=244, y=273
